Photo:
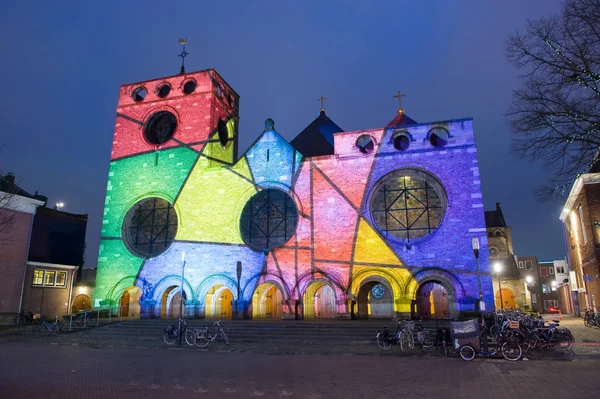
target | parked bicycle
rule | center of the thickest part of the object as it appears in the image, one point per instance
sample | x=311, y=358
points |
x=468, y=342
x=51, y=328
x=406, y=332
x=591, y=318
x=204, y=336
x=24, y=318
x=171, y=333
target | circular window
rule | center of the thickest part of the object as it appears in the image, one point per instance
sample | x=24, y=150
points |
x=438, y=136
x=365, y=144
x=401, y=141
x=378, y=291
x=493, y=251
x=160, y=127
x=408, y=205
x=139, y=94
x=163, y=91
x=222, y=132
x=150, y=227
x=189, y=87
x=268, y=220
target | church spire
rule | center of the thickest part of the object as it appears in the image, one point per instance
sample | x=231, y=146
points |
x=399, y=97
x=322, y=99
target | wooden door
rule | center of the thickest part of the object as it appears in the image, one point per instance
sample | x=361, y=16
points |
x=432, y=301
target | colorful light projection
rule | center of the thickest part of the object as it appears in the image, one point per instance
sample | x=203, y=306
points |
x=326, y=269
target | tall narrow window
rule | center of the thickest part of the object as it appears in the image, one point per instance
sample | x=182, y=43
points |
x=61, y=279
x=50, y=276
x=583, y=232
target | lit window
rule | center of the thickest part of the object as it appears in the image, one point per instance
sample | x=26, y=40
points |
x=38, y=277
x=50, y=276
x=543, y=271
x=528, y=265
x=61, y=279
x=545, y=288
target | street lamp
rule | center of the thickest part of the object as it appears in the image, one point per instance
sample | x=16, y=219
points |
x=180, y=323
x=475, y=244
x=498, y=269
x=59, y=205
x=530, y=283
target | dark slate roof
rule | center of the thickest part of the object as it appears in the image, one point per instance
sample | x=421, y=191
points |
x=317, y=138
x=495, y=218
x=8, y=185
x=401, y=119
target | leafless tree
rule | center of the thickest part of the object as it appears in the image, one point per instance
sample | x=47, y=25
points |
x=6, y=203
x=555, y=114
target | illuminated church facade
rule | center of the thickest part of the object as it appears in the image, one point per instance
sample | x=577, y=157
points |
x=334, y=224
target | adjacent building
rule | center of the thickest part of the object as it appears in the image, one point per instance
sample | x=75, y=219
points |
x=581, y=226
x=40, y=252
x=510, y=292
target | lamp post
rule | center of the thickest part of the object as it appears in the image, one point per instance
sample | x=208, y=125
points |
x=180, y=323
x=475, y=244
x=530, y=283
x=498, y=269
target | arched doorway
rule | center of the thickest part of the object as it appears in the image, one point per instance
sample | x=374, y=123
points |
x=508, y=299
x=81, y=303
x=319, y=301
x=433, y=301
x=169, y=302
x=375, y=299
x=129, y=303
x=266, y=301
x=218, y=302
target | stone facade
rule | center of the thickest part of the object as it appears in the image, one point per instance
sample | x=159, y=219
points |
x=337, y=245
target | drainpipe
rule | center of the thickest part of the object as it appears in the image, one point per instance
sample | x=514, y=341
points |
x=26, y=260
x=71, y=289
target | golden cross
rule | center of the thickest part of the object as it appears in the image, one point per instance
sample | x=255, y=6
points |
x=322, y=99
x=399, y=97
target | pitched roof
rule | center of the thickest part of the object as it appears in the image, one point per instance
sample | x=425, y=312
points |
x=401, y=119
x=317, y=138
x=7, y=185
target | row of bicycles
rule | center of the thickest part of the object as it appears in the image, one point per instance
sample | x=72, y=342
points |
x=512, y=335
x=200, y=337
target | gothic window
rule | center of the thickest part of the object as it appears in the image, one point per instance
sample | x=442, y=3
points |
x=222, y=132
x=163, y=90
x=438, y=136
x=408, y=205
x=401, y=140
x=150, y=227
x=268, y=220
x=160, y=127
x=189, y=87
x=139, y=94
x=365, y=144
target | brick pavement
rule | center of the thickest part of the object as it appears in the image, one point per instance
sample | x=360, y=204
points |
x=55, y=371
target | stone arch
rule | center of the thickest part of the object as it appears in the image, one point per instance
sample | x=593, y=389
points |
x=262, y=278
x=169, y=281
x=383, y=275
x=328, y=308
x=448, y=281
x=267, y=301
x=169, y=298
x=213, y=280
x=367, y=305
x=309, y=277
x=116, y=291
x=81, y=302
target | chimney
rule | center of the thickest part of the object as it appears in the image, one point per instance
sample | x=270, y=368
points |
x=10, y=178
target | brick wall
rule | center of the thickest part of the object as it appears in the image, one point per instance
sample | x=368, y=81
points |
x=13, y=255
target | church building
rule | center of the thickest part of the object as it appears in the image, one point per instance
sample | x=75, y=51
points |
x=334, y=224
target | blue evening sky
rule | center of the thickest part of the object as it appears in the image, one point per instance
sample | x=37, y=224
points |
x=62, y=63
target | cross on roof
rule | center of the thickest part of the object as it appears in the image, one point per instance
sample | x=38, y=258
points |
x=183, y=54
x=322, y=99
x=399, y=97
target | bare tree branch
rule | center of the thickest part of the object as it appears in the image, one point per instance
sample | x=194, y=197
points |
x=555, y=114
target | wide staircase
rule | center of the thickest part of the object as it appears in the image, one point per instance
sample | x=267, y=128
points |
x=262, y=336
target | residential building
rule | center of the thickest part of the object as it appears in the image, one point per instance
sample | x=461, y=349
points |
x=581, y=226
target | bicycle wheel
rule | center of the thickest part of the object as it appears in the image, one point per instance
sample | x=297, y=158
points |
x=225, y=339
x=427, y=340
x=407, y=341
x=511, y=350
x=467, y=353
x=383, y=342
x=586, y=322
x=203, y=338
x=495, y=330
x=170, y=337
x=190, y=337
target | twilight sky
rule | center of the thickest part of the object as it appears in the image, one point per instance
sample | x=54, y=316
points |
x=63, y=61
